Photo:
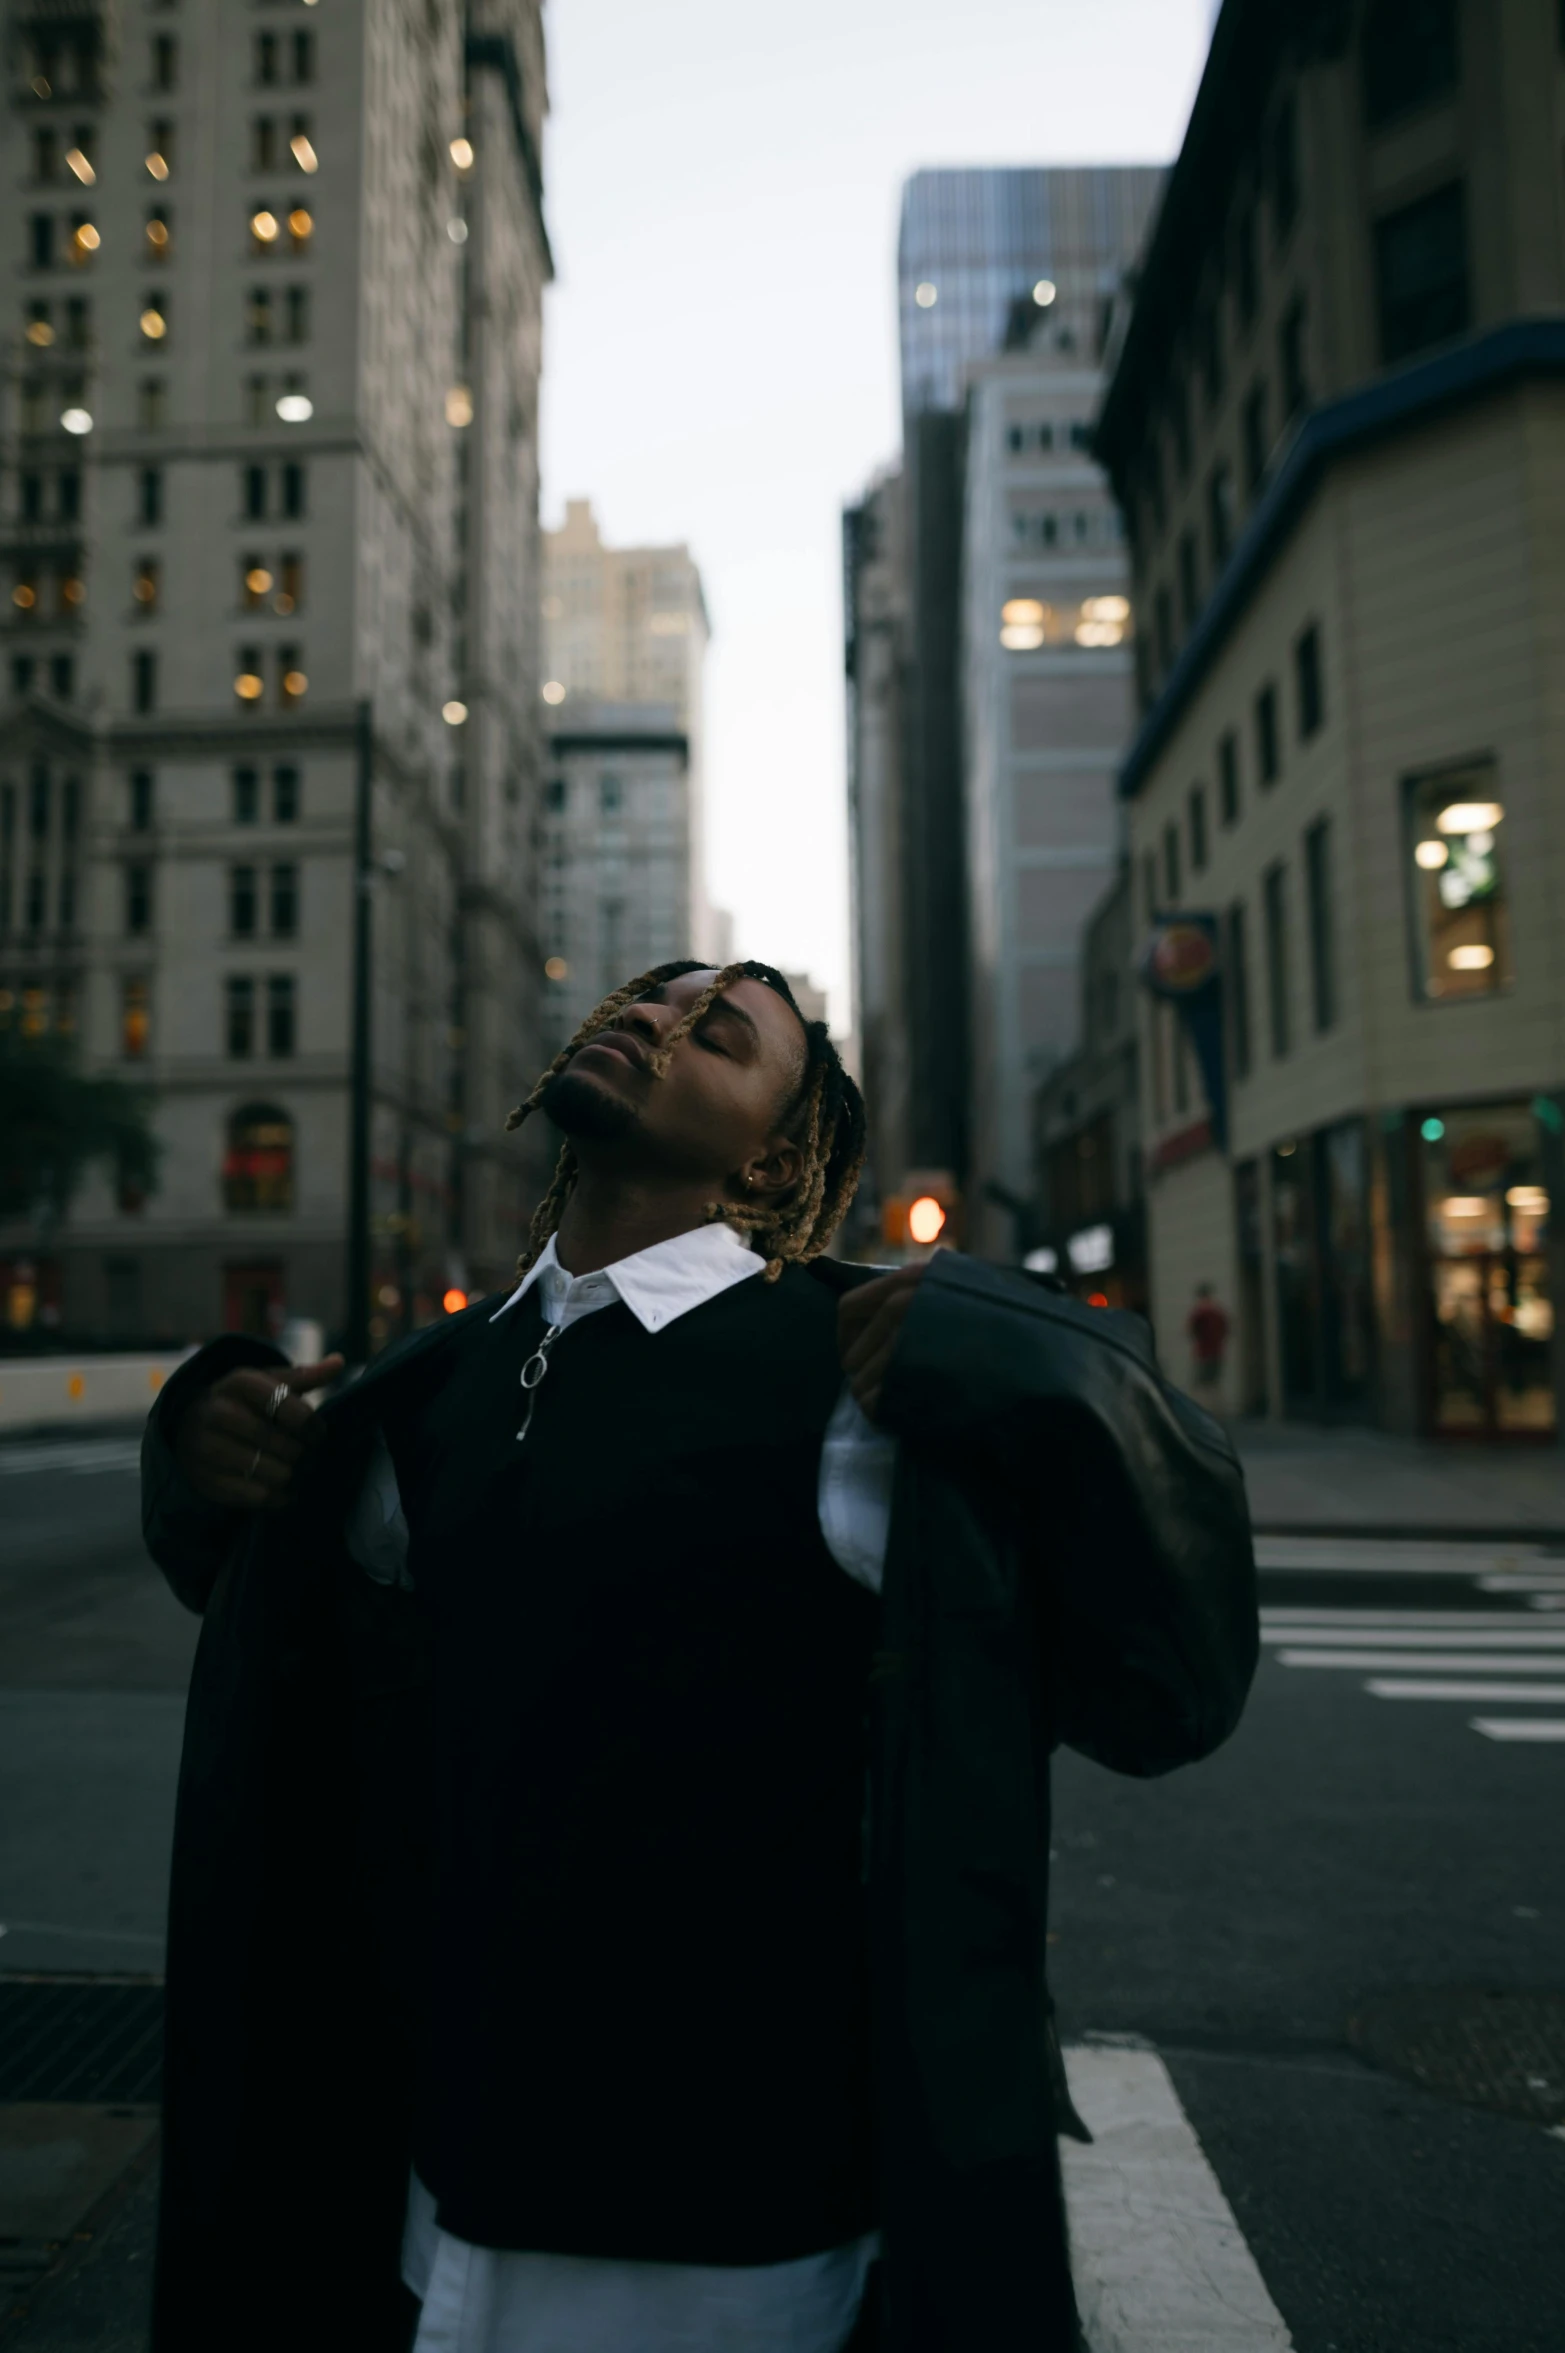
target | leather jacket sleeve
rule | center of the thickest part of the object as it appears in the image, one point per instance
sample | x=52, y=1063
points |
x=189, y=1538
x=1126, y=1499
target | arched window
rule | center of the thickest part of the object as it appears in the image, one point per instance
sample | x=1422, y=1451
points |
x=258, y=1165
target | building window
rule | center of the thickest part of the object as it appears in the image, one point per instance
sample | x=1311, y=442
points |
x=247, y=796
x=1171, y=863
x=149, y=499
x=258, y=1164
x=160, y=233
x=1220, y=514
x=138, y=900
x=165, y=61
x=1268, y=738
x=555, y=794
x=303, y=59
x=1421, y=273
x=290, y=584
x=1283, y=170
x=144, y=681
x=42, y=240
x=1198, y=843
x=1274, y=911
x=68, y=494
x=1163, y=628
x=62, y=676
x=266, y=60
x=38, y=803
x=141, y=800
x=1290, y=360
x=285, y=796
x=135, y=1016
x=1317, y=885
x=151, y=404
x=258, y=316
x=1309, y=682
x=249, y=685
x=1189, y=579
x=285, y=901
x=1228, y=779
x=297, y=306
x=279, y=1014
x=1408, y=56
x=292, y=682
x=1237, y=963
x=252, y=493
x=146, y=585
x=255, y=400
x=1461, y=917
x=294, y=488
x=1253, y=430
x=241, y=902
x=239, y=994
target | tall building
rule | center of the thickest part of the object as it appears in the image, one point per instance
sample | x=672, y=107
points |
x=972, y=247
x=1337, y=425
x=625, y=635
x=1046, y=710
x=268, y=537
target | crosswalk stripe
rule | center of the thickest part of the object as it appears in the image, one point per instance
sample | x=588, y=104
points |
x=1542, y=1583
x=1161, y=2265
x=1518, y=1622
x=1519, y=1727
x=1549, y=1694
x=1465, y=1662
x=86, y=1454
x=1421, y=1637
x=1403, y=1555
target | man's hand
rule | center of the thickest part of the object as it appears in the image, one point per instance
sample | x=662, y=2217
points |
x=241, y=1442
x=869, y=1324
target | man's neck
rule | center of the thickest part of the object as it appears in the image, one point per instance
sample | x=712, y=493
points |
x=610, y=1216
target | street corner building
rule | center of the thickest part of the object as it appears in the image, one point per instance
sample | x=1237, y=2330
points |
x=1336, y=422
x=269, y=589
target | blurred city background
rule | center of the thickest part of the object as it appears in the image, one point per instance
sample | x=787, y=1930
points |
x=495, y=497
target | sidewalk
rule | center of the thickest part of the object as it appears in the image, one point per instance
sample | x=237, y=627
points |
x=1303, y=1479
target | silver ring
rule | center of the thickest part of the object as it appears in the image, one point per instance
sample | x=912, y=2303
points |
x=255, y=1466
x=277, y=1401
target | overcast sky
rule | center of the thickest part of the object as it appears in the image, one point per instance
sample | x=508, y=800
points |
x=720, y=354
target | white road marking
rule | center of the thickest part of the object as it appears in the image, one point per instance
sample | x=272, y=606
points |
x=1365, y=1662
x=1544, y=1642
x=1161, y=2265
x=1413, y=1556
x=1542, y=1583
x=1520, y=1728
x=1511, y=1620
x=1549, y=1694
x=84, y=1454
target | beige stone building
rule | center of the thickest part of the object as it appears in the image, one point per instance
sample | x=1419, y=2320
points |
x=623, y=865
x=268, y=535
x=1337, y=424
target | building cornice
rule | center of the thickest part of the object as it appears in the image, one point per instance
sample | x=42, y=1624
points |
x=497, y=51
x=1394, y=404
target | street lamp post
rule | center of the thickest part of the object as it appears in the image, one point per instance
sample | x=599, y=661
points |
x=356, y=1338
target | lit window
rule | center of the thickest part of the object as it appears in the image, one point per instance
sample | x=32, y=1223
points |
x=292, y=684
x=453, y=713
x=73, y=593
x=264, y=228
x=76, y=161
x=157, y=164
x=258, y=1165
x=25, y=594
x=301, y=227
x=462, y=154
x=76, y=420
x=302, y=150
x=39, y=332
x=926, y=295
x=135, y=1016
x=459, y=405
x=85, y=242
x=249, y=685
x=255, y=582
x=553, y=691
x=295, y=408
x=154, y=318
x=158, y=235
x=1462, y=935
x=1044, y=292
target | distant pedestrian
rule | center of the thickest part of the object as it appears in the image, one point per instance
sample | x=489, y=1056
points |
x=1208, y=1329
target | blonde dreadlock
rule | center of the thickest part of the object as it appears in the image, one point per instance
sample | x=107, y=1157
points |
x=827, y=1120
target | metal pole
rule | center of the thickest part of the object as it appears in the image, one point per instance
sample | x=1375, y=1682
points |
x=356, y=1339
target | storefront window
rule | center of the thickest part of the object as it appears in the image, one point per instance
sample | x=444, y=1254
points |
x=1461, y=921
x=1486, y=1212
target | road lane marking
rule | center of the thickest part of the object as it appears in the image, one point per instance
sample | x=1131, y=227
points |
x=1405, y=1556
x=1365, y=1662
x=1546, y=1581
x=1520, y=1728
x=1161, y=2265
x=1546, y=1645
x=87, y=1454
x=1512, y=1621
x=1549, y=1694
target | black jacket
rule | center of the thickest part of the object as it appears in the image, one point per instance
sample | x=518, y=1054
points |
x=1069, y=1560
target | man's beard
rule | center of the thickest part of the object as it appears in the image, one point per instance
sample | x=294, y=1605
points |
x=584, y=1112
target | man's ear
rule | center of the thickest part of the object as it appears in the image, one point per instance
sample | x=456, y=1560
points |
x=771, y=1174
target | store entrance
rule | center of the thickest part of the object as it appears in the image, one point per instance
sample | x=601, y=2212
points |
x=1486, y=1221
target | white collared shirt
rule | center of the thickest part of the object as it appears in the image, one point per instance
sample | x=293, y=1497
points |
x=487, y=2300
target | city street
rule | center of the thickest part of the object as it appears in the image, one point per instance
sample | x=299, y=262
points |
x=1384, y=1825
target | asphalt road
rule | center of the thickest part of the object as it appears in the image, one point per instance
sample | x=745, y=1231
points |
x=1342, y=1848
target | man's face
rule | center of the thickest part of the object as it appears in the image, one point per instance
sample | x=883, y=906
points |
x=730, y=1084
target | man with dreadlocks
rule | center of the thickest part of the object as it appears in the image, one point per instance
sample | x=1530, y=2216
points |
x=610, y=1869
